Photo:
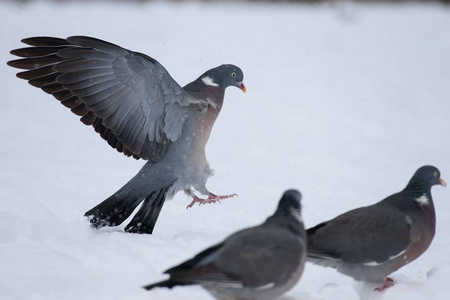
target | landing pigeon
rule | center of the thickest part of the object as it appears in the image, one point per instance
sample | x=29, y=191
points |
x=141, y=111
x=371, y=242
x=261, y=262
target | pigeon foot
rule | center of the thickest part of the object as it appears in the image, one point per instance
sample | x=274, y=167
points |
x=212, y=198
x=387, y=284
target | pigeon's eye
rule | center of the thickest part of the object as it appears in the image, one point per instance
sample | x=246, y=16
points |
x=233, y=74
x=436, y=174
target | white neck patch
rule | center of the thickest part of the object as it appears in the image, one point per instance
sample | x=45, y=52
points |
x=296, y=214
x=423, y=200
x=209, y=81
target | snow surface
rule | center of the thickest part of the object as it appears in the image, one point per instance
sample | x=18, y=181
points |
x=344, y=102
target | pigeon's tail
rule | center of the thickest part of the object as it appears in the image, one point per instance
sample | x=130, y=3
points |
x=166, y=283
x=145, y=219
x=117, y=208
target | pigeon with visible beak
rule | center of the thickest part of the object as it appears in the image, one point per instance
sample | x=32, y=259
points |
x=140, y=110
x=369, y=243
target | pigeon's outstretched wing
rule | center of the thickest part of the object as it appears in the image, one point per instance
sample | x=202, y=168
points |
x=128, y=97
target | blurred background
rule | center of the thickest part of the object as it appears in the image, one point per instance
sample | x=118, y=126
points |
x=304, y=1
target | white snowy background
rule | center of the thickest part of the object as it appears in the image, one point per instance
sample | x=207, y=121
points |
x=344, y=102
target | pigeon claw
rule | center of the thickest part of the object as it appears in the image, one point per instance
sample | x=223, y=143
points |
x=387, y=284
x=212, y=198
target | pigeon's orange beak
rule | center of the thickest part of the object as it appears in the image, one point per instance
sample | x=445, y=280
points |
x=442, y=182
x=243, y=87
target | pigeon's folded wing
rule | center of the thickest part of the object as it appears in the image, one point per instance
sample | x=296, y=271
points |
x=361, y=236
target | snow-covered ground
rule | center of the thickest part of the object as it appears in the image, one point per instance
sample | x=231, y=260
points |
x=343, y=102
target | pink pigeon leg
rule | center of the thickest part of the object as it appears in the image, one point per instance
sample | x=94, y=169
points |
x=387, y=284
x=212, y=198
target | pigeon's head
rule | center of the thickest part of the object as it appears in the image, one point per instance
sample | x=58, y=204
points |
x=225, y=76
x=429, y=176
x=290, y=204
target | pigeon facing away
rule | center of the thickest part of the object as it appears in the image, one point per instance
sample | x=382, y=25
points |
x=371, y=242
x=261, y=262
x=141, y=111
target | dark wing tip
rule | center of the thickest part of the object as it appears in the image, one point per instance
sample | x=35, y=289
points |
x=16, y=52
x=44, y=41
x=18, y=64
x=11, y=63
x=35, y=62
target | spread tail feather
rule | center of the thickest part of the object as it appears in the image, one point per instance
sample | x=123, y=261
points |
x=117, y=208
x=113, y=211
x=145, y=219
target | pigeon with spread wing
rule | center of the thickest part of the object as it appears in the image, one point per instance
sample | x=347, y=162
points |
x=140, y=110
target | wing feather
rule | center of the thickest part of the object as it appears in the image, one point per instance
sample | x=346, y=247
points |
x=52, y=88
x=78, y=76
x=33, y=63
x=35, y=73
x=128, y=97
x=371, y=228
x=89, y=82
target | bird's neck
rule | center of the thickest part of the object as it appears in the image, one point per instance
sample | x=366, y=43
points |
x=420, y=193
x=213, y=94
x=288, y=219
x=203, y=125
x=202, y=87
x=417, y=188
x=421, y=202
